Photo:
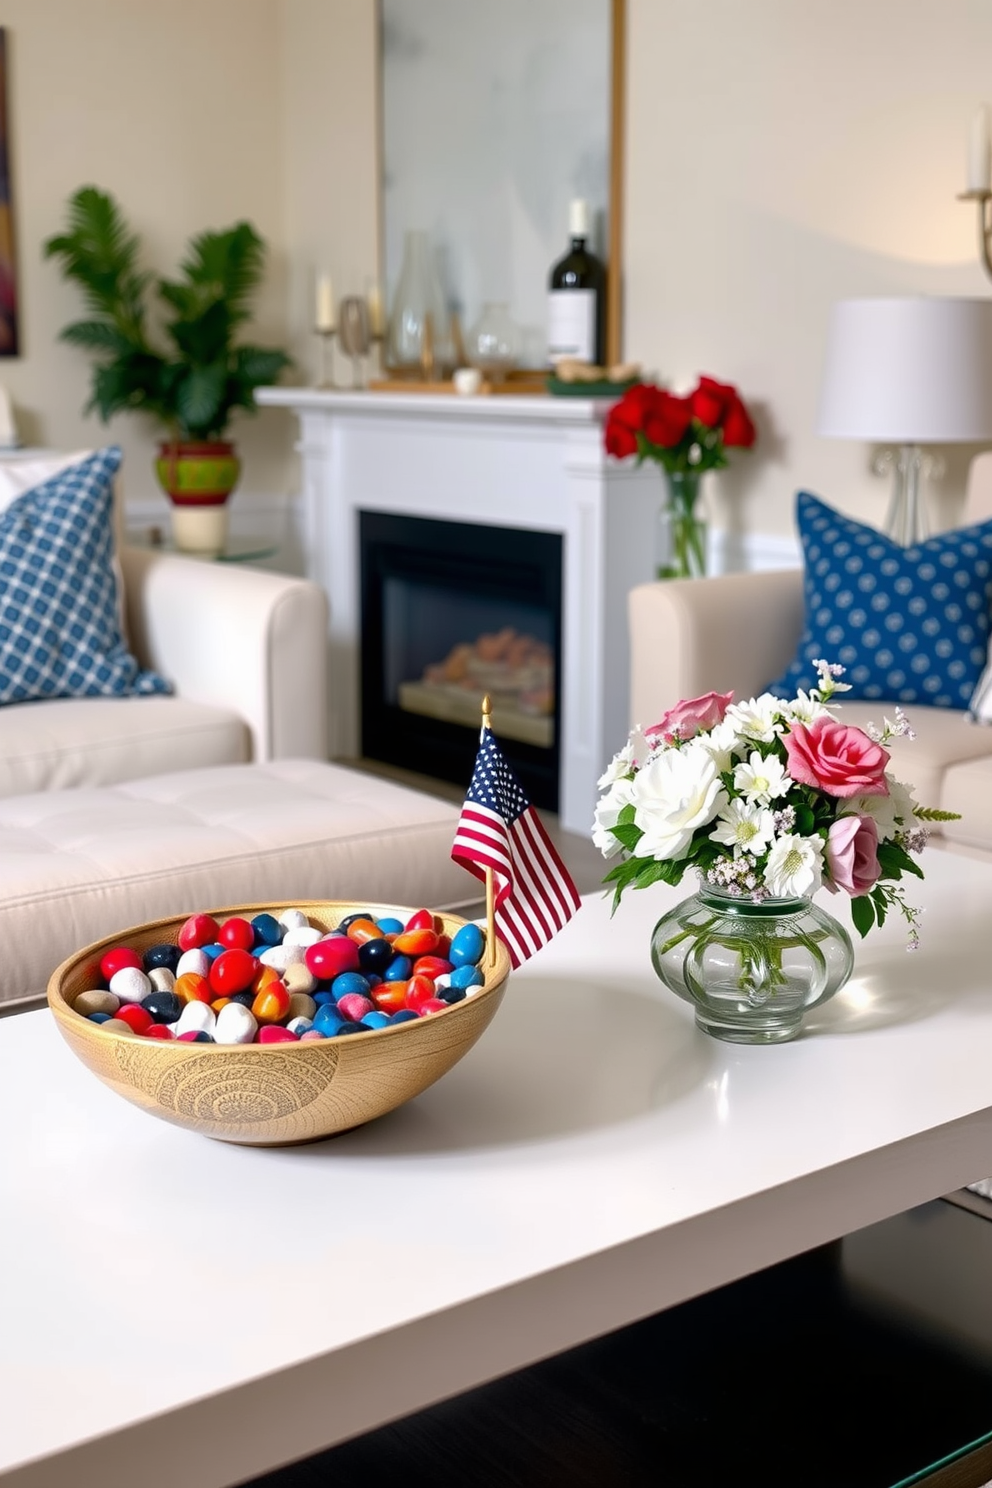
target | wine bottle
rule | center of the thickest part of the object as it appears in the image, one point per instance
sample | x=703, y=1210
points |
x=577, y=297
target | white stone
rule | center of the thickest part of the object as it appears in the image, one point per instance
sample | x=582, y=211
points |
x=304, y=935
x=299, y=1025
x=235, y=1024
x=196, y=961
x=162, y=979
x=293, y=919
x=130, y=984
x=198, y=1017
x=282, y=957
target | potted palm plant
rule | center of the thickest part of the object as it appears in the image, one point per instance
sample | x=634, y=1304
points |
x=192, y=385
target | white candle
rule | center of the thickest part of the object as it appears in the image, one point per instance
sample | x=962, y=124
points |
x=979, y=152
x=325, y=303
x=375, y=310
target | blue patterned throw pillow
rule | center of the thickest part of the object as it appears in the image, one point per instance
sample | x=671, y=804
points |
x=909, y=624
x=59, y=628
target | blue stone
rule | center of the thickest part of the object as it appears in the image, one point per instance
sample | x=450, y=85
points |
x=376, y=1020
x=405, y=1015
x=99, y=1017
x=327, y=1020
x=389, y=926
x=400, y=969
x=268, y=931
x=467, y=976
x=467, y=946
x=350, y=981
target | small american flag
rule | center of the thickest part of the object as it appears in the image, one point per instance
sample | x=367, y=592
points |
x=499, y=829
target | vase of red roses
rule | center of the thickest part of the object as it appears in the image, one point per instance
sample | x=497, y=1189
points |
x=685, y=436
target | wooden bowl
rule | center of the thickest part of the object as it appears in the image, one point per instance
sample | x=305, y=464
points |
x=271, y=1095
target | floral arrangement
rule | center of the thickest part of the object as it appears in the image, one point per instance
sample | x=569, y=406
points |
x=680, y=433
x=766, y=799
x=684, y=436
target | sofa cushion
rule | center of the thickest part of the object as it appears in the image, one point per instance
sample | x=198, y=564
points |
x=79, y=865
x=72, y=742
x=60, y=632
x=908, y=623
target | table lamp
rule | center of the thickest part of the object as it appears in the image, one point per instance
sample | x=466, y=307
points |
x=909, y=372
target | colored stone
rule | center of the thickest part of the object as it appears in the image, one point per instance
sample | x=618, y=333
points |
x=191, y=987
x=299, y=978
x=376, y=1019
x=233, y=971
x=328, y=1020
x=390, y=996
x=451, y=995
x=158, y=1031
x=348, y=983
x=162, y=978
x=164, y=1007
x=304, y=935
x=273, y=1033
x=418, y=991
x=271, y=1004
x=362, y=914
x=237, y=934
x=100, y=1018
x=432, y=1005
x=400, y=969
x=466, y=976
x=300, y=1005
x=199, y=930
x=283, y=956
x=467, y=946
x=416, y=942
x=136, y=1017
x=354, y=1006
x=404, y=1016
x=431, y=966
x=329, y=958
x=293, y=919
x=194, y=1036
x=267, y=931
x=362, y=931
x=299, y=1026
x=117, y=959
x=115, y=1025
x=391, y=926
x=196, y=1017
x=165, y=954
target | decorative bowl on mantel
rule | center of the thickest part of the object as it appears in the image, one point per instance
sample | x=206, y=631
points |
x=271, y=1095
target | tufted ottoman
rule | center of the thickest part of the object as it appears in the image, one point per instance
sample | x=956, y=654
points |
x=79, y=864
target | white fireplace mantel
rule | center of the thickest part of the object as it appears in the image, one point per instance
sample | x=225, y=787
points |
x=522, y=462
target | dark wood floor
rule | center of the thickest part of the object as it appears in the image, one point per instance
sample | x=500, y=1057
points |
x=786, y=1379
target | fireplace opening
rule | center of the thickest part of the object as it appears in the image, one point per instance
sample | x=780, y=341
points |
x=451, y=611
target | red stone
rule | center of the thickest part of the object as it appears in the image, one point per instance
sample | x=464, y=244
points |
x=273, y=1034
x=432, y=1005
x=328, y=958
x=423, y=919
x=431, y=966
x=115, y=960
x=419, y=989
x=199, y=930
x=135, y=1016
x=233, y=971
x=236, y=934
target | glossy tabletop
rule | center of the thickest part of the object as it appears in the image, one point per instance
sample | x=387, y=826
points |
x=176, y=1310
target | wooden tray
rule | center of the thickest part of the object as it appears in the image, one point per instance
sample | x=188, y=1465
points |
x=515, y=386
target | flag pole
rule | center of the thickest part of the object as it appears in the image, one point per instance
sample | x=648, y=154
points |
x=487, y=723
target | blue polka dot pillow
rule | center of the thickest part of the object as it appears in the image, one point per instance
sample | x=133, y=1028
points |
x=60, y=632
x=911, y=625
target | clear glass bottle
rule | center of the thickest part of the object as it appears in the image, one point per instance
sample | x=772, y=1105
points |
x=419, y=340
x=493, y=342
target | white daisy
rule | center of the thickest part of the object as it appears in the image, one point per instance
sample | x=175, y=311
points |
x=805, y=709
x=719, y=744
x=758, y=718
x=762, y=780
x=744, y=827
x=794, y=867
x=891, y=814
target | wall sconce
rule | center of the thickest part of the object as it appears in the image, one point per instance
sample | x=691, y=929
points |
x=979, y=174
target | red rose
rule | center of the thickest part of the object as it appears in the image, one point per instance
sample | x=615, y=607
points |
x=635, y=407
x=710, y=401
x=669, y=420
x=620, y=440
x=738, y=429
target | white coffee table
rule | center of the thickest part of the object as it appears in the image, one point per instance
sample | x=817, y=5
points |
x=175, y=1310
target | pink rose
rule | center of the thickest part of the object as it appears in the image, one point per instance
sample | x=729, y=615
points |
x=837, y=759
x=852, y=855
x=690, y=715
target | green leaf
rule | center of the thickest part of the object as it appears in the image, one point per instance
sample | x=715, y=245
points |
x=931, y=813
x=863, y=914
x=97, y=335
x=627, y=836
x=805, y=821
x=199, y=401
x=894, y=861
x=881, y=905
x=627, y=814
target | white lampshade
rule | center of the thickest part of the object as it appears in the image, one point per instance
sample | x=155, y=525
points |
x=908, y=371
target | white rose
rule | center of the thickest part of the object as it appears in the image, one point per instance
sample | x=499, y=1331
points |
x=674, y=794
x=794, y=867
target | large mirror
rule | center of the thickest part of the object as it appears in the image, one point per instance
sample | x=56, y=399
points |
x=496, y=114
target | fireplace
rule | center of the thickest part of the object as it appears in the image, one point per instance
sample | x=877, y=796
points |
x=451, y=611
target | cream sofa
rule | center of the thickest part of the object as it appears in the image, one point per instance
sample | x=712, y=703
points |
x=246, y=653
x=739, y=631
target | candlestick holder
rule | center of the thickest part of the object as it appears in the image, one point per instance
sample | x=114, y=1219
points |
x=354, y=336
x=325, y=366
x=984, y=200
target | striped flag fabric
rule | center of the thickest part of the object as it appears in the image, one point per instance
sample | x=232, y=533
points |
x=499, y=829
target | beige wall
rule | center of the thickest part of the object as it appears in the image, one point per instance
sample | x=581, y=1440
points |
x=175, y=106
x=780, y=155
x=783, y=155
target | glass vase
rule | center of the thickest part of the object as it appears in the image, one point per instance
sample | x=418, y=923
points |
x=683, y=529
x=493, y=342
x=750, y=970
x=419, y=339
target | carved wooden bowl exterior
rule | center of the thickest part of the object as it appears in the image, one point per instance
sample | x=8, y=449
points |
x=271, y=1095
